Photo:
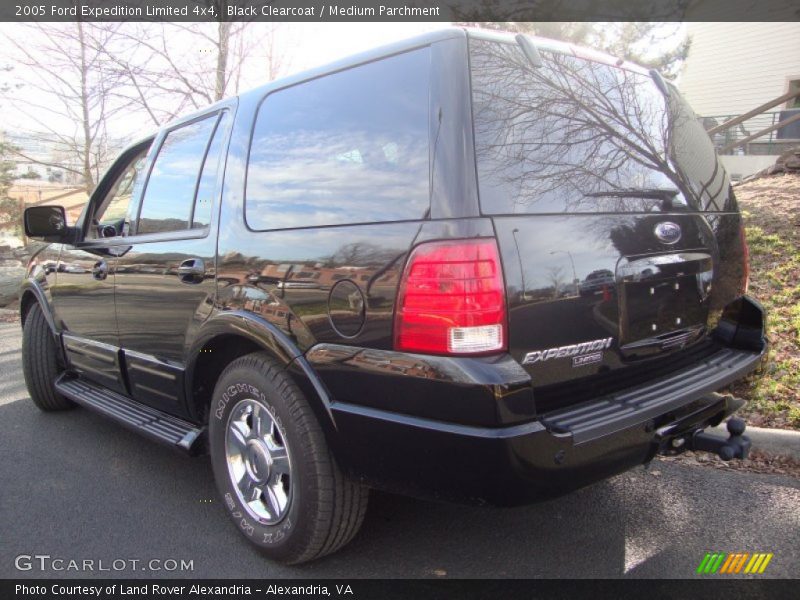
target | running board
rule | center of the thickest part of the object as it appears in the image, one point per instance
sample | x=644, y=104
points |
x=148, y=421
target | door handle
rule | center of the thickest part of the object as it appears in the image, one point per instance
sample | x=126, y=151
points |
x=192, y=270
x=100, y=270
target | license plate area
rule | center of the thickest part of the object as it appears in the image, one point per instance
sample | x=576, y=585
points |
x=663, y=301
x=662, y=306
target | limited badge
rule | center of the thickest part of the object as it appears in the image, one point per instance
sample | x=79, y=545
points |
x=573, y=350
x=587, y=359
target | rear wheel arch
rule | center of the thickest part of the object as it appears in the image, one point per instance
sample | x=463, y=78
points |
x=209, y=362
x=230, y=336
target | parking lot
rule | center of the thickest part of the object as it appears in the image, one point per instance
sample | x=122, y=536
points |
x=76, y=486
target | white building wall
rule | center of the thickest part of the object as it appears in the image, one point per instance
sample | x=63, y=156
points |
x=734, y=67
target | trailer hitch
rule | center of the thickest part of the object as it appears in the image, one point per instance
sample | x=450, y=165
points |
x=736, y=446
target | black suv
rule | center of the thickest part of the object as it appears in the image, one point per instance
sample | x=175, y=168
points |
x=370, y=275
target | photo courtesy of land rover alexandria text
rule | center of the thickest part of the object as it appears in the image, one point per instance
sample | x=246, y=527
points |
x=469, y=266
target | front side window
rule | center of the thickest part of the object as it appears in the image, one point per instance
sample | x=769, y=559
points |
x=351, y=147
x=169, y=196
x=111, y=216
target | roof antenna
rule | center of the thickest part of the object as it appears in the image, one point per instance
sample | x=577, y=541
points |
x=529, y=49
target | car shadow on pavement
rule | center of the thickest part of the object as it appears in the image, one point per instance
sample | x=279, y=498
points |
x=77, y=486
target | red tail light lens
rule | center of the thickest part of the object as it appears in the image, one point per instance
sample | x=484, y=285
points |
x=452, y=299
x=745, y=260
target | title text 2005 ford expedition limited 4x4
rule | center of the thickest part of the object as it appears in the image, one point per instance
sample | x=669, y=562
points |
x=468, y=266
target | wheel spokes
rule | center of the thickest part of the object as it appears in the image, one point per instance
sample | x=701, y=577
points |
x=248, y=488
x=258, y=461
x=260, y=421
x=238, y=436
x=280, y=463
x=271, y=502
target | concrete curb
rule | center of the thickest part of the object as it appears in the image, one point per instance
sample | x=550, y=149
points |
x=772, y=441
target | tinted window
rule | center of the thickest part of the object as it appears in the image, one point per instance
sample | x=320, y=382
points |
x=114, y=208
x=582, y=136
x=351, y=147
x=170, y=192
x=207, y=187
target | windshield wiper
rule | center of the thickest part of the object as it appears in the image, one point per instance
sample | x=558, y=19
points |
x=666, y=196
x=654, y=193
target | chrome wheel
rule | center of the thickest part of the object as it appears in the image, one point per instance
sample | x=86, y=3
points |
x=258, y=462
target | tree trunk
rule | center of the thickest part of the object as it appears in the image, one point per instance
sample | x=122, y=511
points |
x=224, y=29
x=88, y=176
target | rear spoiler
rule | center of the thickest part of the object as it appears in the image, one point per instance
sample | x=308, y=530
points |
x=660, y=83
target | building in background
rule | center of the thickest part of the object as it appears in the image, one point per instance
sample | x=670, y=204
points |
x=733, y=68
x=38, y=193
x=41, y=158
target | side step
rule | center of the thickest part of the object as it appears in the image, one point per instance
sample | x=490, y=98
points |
x=148, y=421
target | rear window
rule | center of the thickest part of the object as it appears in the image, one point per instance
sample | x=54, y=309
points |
x=581, y=136
x=351, y=147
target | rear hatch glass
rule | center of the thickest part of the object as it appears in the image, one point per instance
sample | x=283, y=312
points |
x=576, y=135
x=607, y=198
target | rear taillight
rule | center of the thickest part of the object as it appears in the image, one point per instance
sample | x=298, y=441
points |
x=452, y=299
x=745, y=260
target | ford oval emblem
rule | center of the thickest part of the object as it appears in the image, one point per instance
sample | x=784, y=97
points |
x=668, y=232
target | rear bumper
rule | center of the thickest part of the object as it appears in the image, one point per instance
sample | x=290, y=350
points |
x=559, y=452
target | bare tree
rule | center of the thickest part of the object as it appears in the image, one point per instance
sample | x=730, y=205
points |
x=276, y=57
x=166, y=80
x=10, y=209
x=71, y=93
x=583, y=135
x=629, y=40
x=555, y=276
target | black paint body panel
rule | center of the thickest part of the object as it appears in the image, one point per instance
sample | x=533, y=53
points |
x=321, y=300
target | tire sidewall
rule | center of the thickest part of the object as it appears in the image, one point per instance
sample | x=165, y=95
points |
x=282, y=539
x=42, y=362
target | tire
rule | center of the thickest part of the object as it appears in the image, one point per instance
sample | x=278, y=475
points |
x=301, y=506
x=40, y=363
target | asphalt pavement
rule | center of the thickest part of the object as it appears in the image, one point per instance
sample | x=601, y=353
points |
x=74, y=486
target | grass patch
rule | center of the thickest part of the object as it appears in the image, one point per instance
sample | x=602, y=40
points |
x=771, y=210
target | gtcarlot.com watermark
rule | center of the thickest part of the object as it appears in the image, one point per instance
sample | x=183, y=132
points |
x=48, y=563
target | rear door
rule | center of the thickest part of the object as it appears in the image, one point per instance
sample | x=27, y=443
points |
x=613, y=217
x=165, y=280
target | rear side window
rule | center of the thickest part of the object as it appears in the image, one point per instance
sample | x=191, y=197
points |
x=175, y=179
x=207, y=187
x=351, y=147
x=575, y=135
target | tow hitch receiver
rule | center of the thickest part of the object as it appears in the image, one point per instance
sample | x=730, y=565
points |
x=736, y=446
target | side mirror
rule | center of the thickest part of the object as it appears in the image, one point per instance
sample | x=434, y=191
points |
x=46, y=222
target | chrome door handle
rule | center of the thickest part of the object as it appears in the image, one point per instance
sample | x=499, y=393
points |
x=100, y=270
x=192, y=270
